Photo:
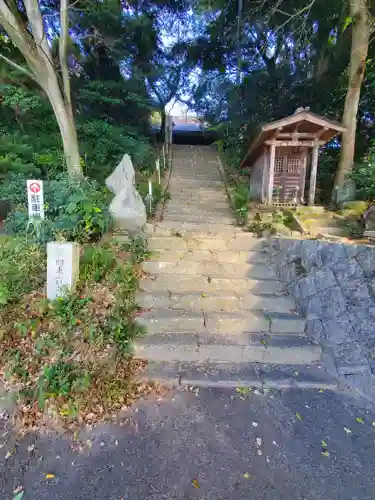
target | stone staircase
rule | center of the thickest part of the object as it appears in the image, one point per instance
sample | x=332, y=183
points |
x=214, y=311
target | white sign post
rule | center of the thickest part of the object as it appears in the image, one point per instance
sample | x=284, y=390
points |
x=158, y=169
x=150, y=193
x=35, y=198
x=163, y=151
x=62, y=268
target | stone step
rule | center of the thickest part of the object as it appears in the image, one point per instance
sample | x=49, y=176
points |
x=242, y=322
x=239, y=375
x=201, y=284
x=190, y=229
x=198, y=204
x=216, y=218
x=211, y=269
x=218, y=349
x=184, y=182
x=203, y=209
x=228, y=256
x=197, y=194
x=214, y=302
x=208, y=241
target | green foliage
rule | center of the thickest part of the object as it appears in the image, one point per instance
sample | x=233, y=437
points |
x=22, y=269
x=157, y=194
x=138, y=247
x=62, y=379
x=259, y=227
x=95, y=263
x=75, y=210
x=69, y=309
x=241, y=199
x=364, y=177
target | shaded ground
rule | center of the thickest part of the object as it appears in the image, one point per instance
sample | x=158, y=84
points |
x=211, y=445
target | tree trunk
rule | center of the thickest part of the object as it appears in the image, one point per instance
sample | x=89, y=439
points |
x=163, y=123
x=361, y=29
x=31, y=40
x=64, y=117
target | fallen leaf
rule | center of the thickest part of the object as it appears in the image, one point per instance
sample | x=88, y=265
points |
x=258, y=442
x=298, y=416
x=89, y=443
x=195, y=483
x=31, y=448
x=19, y=495
x=50, y=476
x=360, y=420
x=203, y=295
x=259, y=452
x=9, y=453
x=75, y=436
x=373, y=423
x=325, y=453
x=324, y=444
x=321, y=390
x=296, y=374
x=246, y=475
x=348, y=431
x=255, y=424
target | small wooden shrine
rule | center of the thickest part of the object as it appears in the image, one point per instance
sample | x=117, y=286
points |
x=285, y=154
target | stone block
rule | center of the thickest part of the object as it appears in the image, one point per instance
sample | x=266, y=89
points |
x=306, y=286
x=287, y=273
x=364, y=384
x=366, y=259
x=314, y=329
x=371, y=284
x=338, y=330
x=291, y=249
x=311, y=254
x=333, y=302
x=352, y=250
x=350, y=359
x=332, y=253
x=348, y=268
x=324, y=279
x=62, y=268
x=311, y=305
x=127, y=207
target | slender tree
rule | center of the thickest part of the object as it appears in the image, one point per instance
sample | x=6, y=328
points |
x=28, y=33
x=362, y=25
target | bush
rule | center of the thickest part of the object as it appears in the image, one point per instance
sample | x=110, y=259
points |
x=364, y=177
x=22, y=268
x=75, y=210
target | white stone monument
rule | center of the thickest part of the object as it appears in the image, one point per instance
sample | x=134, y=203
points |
x=62, y=268
x=127, y=207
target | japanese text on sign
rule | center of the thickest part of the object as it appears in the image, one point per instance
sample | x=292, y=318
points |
x=35, y=198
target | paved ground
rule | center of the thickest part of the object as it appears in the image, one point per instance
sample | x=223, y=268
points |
x=210, y=445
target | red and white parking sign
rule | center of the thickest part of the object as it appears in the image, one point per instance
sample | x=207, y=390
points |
x=35, y=187
x=35, y=198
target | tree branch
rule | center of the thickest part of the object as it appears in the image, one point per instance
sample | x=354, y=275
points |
x=37, y=27
x=63, y=48
x=18, y=67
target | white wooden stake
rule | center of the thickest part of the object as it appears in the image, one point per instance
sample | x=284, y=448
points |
x=163, y=150
x=158, y=169
x=150, y=193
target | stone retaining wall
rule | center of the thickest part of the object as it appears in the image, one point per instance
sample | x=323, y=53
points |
x=334, y=288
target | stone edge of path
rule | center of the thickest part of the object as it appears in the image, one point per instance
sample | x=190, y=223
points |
x=226, y=184
x=243, y=375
